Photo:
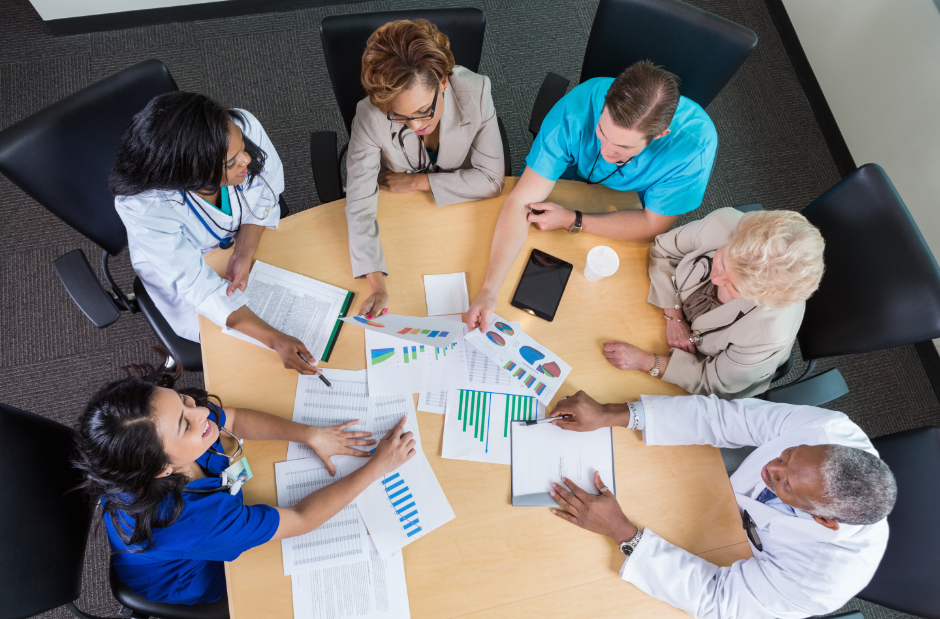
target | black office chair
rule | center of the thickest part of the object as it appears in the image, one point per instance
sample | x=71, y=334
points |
x=906, y=580
x=881, y=288
x=703, y=50
x=44, y=527
x=61, y=156
x=344, y=40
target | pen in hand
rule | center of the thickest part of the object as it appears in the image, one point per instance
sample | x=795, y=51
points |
x=320, y=376
x=532, y=422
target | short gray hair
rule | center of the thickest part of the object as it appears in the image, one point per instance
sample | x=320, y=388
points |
x=858, y=486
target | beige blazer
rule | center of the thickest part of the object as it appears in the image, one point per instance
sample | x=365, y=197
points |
x=736, y=362
x=470, y=163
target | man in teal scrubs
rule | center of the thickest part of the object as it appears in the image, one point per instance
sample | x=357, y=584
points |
x=632, y=133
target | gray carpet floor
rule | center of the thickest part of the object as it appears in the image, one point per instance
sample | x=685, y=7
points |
x=52, y=358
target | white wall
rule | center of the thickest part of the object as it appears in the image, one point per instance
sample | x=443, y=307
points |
x=62, y=9
x=878, y=63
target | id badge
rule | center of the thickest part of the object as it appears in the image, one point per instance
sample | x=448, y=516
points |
x=235, y=475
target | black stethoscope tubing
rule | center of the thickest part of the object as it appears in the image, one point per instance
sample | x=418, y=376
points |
x=424, y=160
x=591, y=173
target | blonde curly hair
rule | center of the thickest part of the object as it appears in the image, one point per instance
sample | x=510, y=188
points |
x=401, y=52
x=777, y=256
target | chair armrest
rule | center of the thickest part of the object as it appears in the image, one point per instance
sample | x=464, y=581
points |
x=505, y=139
x=186, y=352
x=326, y=166
x=747, y=208
x=85, y=288
x=553, y=89
x=812, y=391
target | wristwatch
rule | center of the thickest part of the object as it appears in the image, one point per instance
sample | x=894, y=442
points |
x=629, y=546
x=576, y=226
x=655, y=371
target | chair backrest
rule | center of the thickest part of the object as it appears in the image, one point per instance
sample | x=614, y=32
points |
x=344, y=40
x=906, y=580
x=61, y=155
x=43, y=526
x=882, y=284
x=704, y=50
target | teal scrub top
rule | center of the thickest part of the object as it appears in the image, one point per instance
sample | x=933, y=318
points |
x=185, y=563
x=670, y=174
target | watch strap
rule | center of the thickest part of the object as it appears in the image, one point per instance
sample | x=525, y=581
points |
x=578, y=218
x=630, y=545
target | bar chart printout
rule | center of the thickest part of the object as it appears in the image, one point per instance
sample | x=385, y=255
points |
x=477, y=423
x=340, y=540
x=403, y=506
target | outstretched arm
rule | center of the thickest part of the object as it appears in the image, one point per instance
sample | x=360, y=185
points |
x=640, y=226
x=512, y=228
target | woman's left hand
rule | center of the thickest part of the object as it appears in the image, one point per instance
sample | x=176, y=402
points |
x=237, y=270
x=334, y=441
x=627, y=356
x=398, y=182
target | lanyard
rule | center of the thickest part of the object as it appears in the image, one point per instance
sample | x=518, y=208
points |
x=708, y=272
x=228, y=241
x=697, y=336
x=591, y=173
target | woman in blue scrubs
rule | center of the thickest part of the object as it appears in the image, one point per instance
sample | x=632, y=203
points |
x=151, y=455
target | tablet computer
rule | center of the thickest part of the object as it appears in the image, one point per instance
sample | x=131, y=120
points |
x=542, y=284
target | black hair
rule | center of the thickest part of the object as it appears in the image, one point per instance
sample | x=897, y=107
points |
x=121, y=454
x=179, y=142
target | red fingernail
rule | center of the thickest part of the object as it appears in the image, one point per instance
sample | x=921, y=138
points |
x=384, y=311
x=369, y=316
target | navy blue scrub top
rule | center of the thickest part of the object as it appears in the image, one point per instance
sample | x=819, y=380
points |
x=184, y=564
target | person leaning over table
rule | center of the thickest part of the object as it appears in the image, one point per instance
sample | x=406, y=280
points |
x=426, y=125
x=733, y=289
x=151, y=457
x=632, y=133
x=190, y=176
x=814, y=497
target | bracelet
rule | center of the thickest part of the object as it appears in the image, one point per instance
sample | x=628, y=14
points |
x=676, y=319
x=634, y=418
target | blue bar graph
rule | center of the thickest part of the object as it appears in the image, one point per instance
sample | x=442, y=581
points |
x=399, y=495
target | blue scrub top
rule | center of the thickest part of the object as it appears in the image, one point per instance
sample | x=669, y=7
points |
x=670, y=174
x=184, y=564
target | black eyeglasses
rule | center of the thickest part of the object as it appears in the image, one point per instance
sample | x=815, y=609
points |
x=396, y=119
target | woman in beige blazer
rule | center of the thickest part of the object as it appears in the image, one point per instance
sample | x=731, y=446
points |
x=733, y=288
x=426, y=125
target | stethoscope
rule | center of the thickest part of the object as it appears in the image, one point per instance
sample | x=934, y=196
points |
x=598, y=156
x=232, y=486
x=424, y=160
x=697, y=336
x=229, y=240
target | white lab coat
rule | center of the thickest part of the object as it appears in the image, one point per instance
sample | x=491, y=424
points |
x=166, y=241
x=805, y=569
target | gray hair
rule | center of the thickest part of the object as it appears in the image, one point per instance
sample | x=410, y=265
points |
x=858, y=486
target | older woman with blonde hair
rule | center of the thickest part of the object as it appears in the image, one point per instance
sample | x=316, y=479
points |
x=733, y=289
x=426, y=125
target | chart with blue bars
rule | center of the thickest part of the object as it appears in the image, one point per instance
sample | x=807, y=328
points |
x=399, y=495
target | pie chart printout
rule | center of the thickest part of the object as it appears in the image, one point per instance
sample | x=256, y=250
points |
x=551, y=368
x=502, y=326
x=530, y=354
x=496, y=338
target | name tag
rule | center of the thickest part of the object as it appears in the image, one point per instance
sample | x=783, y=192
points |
x=235, y=475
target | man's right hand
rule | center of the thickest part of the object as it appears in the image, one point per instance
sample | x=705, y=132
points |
x=478, y=316
x=585, y=414
x=394, y=450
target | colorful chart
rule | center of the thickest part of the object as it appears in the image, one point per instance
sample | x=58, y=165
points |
x=381, y=354
x=519, y=373
x=496, y=338
x=410, y=331
x=502, y=326
x=530, y=354
x=414, y=353
x=509, y=366
x=475, y=406
x=399, y=495
x=368, y=322
x=551, y=369
x=528, y=382
x=539, y=388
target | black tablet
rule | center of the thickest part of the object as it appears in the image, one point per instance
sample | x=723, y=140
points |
x=542, y=284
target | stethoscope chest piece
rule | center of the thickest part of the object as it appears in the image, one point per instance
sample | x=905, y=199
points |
x=226, y=242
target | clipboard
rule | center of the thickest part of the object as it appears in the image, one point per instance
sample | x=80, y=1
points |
x=555, y=451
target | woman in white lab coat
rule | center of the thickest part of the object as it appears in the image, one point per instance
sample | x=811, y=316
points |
x=191, y=176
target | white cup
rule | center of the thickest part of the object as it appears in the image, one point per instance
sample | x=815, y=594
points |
x=601, y=262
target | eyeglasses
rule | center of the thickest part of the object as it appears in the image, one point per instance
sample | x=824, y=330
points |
x=396, y=119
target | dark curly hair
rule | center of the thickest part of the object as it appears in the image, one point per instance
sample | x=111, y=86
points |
x=121, y=453
x=179, y=142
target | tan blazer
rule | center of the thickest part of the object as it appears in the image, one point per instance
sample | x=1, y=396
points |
x=470, y=163
x=736, y=362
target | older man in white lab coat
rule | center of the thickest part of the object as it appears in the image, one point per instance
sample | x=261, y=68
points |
x=814, y=493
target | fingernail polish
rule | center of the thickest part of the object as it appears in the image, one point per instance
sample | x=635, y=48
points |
x=369, y=316
x=384, y=311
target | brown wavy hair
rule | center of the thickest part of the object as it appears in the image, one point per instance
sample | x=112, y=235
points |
x=400, y=53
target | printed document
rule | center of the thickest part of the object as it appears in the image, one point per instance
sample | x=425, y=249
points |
x=340, y=540
x=296, y=305
x=544, y=453
x=415, y=329
x=446, y=294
